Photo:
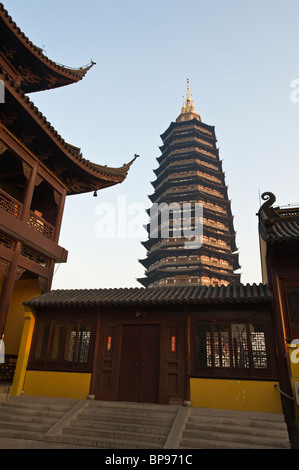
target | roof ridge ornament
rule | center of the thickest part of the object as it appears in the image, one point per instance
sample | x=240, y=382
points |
x=270, y=199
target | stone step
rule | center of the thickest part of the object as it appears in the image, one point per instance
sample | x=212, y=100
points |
x=230, y=429
x=17, y=418
x=237, y=438
x=25, y=426
x=20, y=434
x=27, y=411
x=212, y=444
x=34, y=406
x=102, y=443
x=235, y=428
x=276, y=421
x=115, y=434
x=121, y=426
x=116, y=418
x=130, y=412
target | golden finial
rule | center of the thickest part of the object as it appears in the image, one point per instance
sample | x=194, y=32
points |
x=187, y=111
x=188, y=105
x=188, y=90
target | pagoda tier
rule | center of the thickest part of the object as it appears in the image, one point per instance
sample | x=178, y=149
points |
x=190, y=175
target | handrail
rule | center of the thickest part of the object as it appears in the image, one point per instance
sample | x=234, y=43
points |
x=283, y=393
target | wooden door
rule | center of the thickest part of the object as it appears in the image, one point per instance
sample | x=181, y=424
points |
x=139, y=363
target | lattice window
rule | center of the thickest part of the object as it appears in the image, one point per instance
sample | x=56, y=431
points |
x=83, y=345
x=258, y=346
x=221, y=345
x=231, y=346
x=240, y=345
x=203, y=346
x=6, y=241
x=64, y=343
x=34, y=256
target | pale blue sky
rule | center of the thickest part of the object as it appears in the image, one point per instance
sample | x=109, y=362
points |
x=240, y=57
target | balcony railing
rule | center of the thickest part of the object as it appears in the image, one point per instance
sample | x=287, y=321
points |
x=14, y=208
x=40, y=225
x=9, y=204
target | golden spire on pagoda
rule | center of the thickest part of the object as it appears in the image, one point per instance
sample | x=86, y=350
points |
x=188, y=106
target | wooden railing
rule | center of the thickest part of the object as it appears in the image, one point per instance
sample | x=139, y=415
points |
x=9, y=204
x=7, y=369
x=14, y=208
x=41, y=225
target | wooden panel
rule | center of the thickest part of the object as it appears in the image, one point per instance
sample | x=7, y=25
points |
x=139, y=366
x=106, y=381
x=173, y=341
x=149, y=364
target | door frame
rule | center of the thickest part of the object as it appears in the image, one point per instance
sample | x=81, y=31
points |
x=173, y=369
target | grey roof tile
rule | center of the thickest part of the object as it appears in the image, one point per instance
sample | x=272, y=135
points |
x=182, y=295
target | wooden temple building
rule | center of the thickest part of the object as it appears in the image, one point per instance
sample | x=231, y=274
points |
x=227, y=347
x=38, y=169
x=211, y=342
x=190, y=176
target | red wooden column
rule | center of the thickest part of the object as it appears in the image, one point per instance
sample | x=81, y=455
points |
x=29, y=190
x=60, y=201
x=95, y=360
x=187, y=357
x=7, y=287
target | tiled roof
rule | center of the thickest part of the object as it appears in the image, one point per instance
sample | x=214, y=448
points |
x=98, y=173
x=182, y=295
x=276, y=224
x=70, y=75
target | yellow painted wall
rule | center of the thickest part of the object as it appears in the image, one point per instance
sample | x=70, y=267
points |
x=23, y=290
x=57, y=384
x=244, y=395
x=294, y=362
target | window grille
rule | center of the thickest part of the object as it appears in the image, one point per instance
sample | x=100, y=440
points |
x=231, y=346
x=62, y=343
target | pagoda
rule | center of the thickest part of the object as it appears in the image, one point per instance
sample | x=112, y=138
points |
x=38, y=170
x=190, y=187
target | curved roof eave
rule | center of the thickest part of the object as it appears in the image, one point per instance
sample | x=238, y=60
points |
x=72, y=75
x=94, y=170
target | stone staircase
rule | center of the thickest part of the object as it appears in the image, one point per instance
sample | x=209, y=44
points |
x=118, y=425
x=31, y=417
x=227, y=429
x=70, y=423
